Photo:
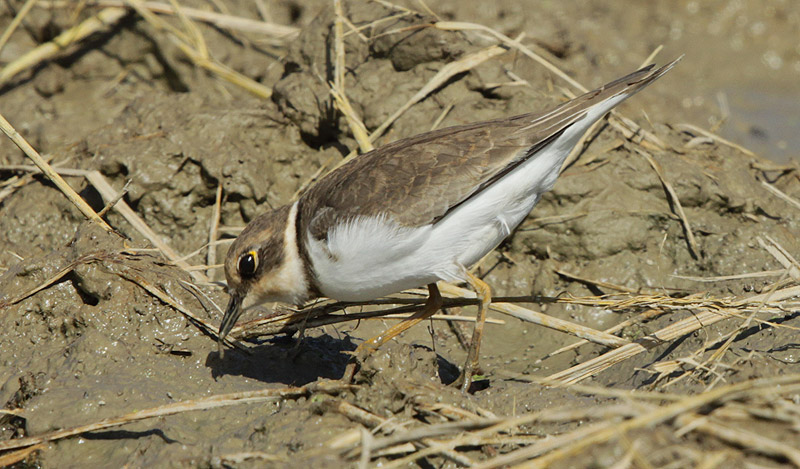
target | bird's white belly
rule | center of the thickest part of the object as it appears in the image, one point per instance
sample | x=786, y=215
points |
x=367, y=258
x=370, y=257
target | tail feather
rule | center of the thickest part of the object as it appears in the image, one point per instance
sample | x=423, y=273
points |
x=576, y=108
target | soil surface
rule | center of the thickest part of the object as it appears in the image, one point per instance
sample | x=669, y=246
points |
x=128, y=102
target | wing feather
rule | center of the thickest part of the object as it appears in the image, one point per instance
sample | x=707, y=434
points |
x=418, y=180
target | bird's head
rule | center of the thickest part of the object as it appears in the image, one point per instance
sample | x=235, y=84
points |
x=264, y=265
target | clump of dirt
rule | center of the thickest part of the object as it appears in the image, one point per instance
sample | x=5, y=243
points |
x=96, y=341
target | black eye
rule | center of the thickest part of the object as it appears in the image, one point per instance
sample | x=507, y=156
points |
x=247, y=264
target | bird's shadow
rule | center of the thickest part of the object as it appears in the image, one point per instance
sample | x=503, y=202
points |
x=127, y=435
x=283, y=360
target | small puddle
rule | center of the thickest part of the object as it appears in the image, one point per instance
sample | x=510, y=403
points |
x=766, y=121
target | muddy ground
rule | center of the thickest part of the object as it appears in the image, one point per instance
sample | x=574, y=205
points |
x=129, y=103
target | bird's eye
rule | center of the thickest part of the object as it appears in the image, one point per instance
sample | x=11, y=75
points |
x=247, y=264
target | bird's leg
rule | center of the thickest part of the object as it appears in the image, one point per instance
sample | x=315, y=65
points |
x=432, y=305
x=485, y=296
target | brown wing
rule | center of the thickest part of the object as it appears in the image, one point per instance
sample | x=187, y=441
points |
x=417, y=180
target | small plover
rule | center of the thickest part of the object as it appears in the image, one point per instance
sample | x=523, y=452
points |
x=414, y=212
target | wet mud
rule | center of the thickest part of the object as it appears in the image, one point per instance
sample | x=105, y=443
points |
x=94, y=343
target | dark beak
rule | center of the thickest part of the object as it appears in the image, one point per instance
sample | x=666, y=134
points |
x=231, y=315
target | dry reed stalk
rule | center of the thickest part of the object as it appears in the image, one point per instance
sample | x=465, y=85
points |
x=623, y=302
x=626, y=126
x=51, y=174
x=453, y=413
x=26, y=8
x=101, y=184
x=500, y=433
x=635, y=395
x=713, y=311
x=195, y=38
x=104, y=188
x=722, y=278
x=338, y=86
x=475, y=438
x=15, y=457
x=441, y=117
x=713, y=459
x=635, y=133
x=781, y=195
x=241, y=458
x=652, y=57
x=338, y=41
x=232, y=76
x=353, y=120
x=69, y=172
x=694, y=250
x=113, y=202
x=206, y=267
x=191, y=43
x=779, y=295
x=205, y=403
x=598, y=283
x=85, y=259
x=365, y=143
x=100, y=22
x=131, y=276
x=740, y=437
x=14, y=183
x=353, y=29
x=290, y=321
x=449, y=70
x=649, y=314
x=770, y=166
x=511, y=43
x=692, y=364
x=781, y=255
x=541, y=319
x=372, y=24
x=428, y=431
x=656, y=416
x=445, y=317
x=223, y=21
x=693, y=128
x=197, y=251
x=376, y=422
x=201, y=296
x=777, y=251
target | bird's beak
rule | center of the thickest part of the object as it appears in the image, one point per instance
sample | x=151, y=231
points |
x=231, y=315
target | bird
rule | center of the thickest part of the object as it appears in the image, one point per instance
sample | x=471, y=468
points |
x=413, y=212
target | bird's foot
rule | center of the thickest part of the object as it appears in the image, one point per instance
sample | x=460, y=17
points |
x=471, y=380
x=357, y=357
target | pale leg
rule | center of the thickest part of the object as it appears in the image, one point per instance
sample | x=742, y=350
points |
x=431, y=306
x=485, y=296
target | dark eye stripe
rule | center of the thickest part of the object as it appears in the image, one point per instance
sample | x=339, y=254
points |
x=248, y=264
